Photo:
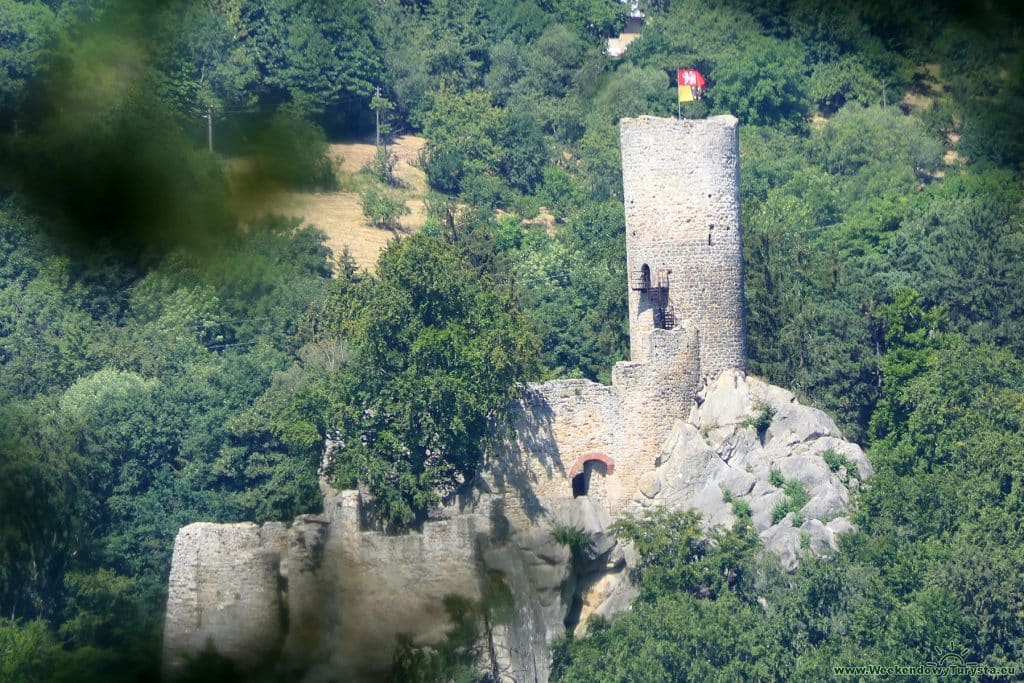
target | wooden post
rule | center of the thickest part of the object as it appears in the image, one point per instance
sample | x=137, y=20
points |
x=376, y=110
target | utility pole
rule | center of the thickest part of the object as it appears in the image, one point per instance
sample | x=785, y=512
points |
x=376, y=111
x=209, y=126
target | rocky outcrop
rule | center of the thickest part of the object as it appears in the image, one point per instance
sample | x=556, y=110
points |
x=538, y=571
x=751, y=447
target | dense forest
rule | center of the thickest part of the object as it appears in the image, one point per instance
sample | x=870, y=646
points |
x=162, y=362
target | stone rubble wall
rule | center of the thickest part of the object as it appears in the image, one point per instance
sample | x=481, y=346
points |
x=558, y=422
x=321, y=597
x=224, y=588
x=552, y=425
x=656, y=393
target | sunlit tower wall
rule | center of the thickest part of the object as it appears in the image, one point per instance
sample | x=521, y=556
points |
x=684, y=247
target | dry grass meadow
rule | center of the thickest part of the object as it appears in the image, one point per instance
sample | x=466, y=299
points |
x=340, y=215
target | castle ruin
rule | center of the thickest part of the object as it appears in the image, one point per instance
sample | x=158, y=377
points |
x=326, y=597
x=684, y=259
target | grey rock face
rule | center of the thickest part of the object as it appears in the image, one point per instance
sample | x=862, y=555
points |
x=650, y=484
x=717, y=454
x=794, y=423
x=325, y=598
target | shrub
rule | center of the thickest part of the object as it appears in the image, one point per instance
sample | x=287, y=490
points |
x=776, y=479
x=762, y=420
x=575, y=539
x=781, y=509
x=382, y=167
x=741, y=508
x=382, y=208
x=292, y=152
x=836, y=461
x=794, y=498
x=797, y=493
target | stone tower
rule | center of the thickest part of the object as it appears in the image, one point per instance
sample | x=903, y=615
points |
x=684, y=249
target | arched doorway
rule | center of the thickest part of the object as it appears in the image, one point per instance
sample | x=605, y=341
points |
x=585, y=467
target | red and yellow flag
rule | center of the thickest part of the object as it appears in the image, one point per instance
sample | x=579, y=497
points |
x=691, y=84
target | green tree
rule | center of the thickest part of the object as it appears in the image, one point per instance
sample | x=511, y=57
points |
x=594, y=18
x=206, y=67
x=696, y=618
x=46, y=508
x=318, y=56
x=288, y=151
x=833, y=84
x=677, y=557
x=553, y=64
x=105, y=610
x=857, y=137
x=28, y=28
x=762, y=82
x=382, y=207
x=461, y=130
x=438, y=360
x=27, y=651
x=968, y=233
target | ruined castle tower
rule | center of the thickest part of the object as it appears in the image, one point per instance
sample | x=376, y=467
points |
x=684, y=250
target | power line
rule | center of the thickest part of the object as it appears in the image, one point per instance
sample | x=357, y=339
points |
x=213, y=347
x=554, y=276
x=259, y=108
x=215, y=323
x=800, y=232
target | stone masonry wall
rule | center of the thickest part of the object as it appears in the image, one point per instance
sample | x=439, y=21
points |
x=554, y=424
x=681, y=195
x=322, y=599
x=559, y=422
x=225, y=588
x=681, y=190
x=384, y=585
x=654, y=395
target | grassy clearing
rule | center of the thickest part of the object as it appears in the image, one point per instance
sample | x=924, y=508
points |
x=340, y=215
